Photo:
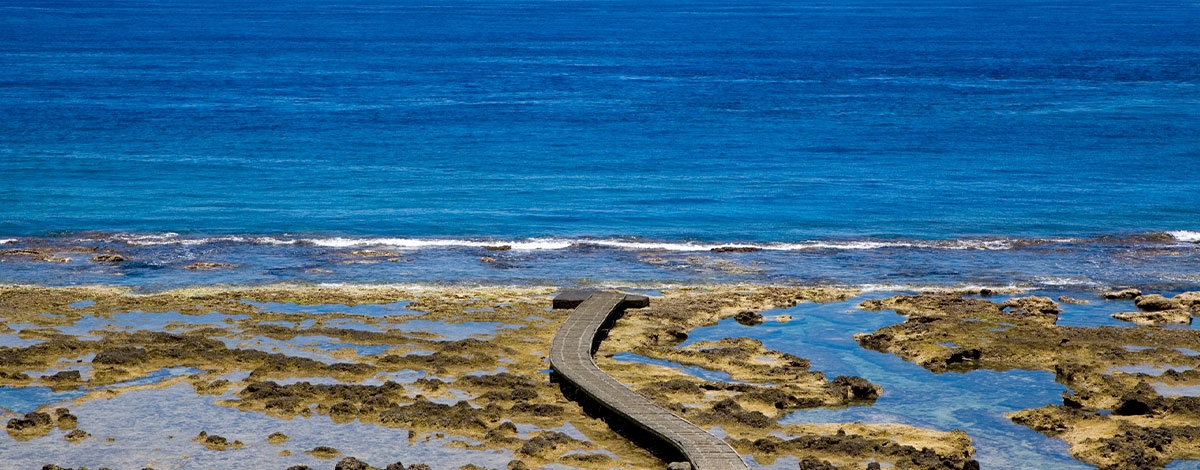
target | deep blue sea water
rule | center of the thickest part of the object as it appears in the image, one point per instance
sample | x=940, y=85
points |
x=716, y=121
x=801, y=125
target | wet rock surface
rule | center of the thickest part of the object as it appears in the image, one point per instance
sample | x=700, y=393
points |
x=1120, y=294
x=763, y=385
x=1113, y=417
x=258, y=359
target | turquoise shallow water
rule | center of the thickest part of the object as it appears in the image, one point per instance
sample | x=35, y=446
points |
x=974, y=401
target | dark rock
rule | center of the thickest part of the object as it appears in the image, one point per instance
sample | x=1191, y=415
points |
x=65, y=376
x=39, y=418
x=813, y=464
x=1142, y=400
x=121, y=355
x=873, y=466
x=498, y=247
x=535, y=446
x=856, y=387
x=517, y=465
x=77, y=436
x=67, y=421
x=343, y=408
x=108, y=258
x=679, y=466
x=419, y=466
x=538, y=409
x=299, y=467
x=394, y=466
x=748, y=318
x=735, y=249
x=964, y=355
x=351, y=463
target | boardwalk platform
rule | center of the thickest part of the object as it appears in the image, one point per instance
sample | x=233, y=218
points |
x=571, y=359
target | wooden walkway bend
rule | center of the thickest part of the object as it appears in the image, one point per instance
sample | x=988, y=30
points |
x=571, y=358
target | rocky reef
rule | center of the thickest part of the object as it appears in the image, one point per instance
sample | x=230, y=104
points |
x=763, y=385
x=1115, y=414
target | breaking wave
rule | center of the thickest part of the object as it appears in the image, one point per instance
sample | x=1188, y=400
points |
x=631, y=244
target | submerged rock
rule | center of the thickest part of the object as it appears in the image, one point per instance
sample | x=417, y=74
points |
x=735, y=249
x=207, y=266
x=323, y=452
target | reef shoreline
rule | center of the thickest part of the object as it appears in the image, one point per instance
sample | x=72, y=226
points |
x=463, y=367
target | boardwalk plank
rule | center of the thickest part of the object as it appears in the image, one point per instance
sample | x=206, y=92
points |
x=571, y=358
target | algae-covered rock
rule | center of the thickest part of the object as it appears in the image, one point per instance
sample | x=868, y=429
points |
x=1155, y=303
x=1124, y=294
x=748, y=318
x=351, y=463
x=1156, y=318
x=1032, y=305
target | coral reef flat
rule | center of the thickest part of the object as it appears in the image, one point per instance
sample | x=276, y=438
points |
x=285, y=375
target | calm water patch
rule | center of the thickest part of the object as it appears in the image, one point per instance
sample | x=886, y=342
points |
x=21, y=400
x=14, y=341
x=147, y=321
x=370, y=310
x=453, y=331
x=179, y=412
x=974, y=401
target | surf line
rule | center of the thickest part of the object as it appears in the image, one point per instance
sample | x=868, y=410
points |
x=571, y=360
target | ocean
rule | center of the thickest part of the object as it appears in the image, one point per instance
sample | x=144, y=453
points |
x=875, y=142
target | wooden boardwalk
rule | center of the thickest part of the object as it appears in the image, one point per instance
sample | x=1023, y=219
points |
x=571, y=358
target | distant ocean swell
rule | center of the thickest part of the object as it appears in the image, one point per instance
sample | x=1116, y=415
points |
x=1160, y=261
x=1174, y=237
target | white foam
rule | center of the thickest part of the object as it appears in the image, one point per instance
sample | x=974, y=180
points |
x=1065, y=282
x=418, y=243
x=171, y=238
x=7, y=240
x=939, y=289
x=1185, y=235
x=555, y=243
